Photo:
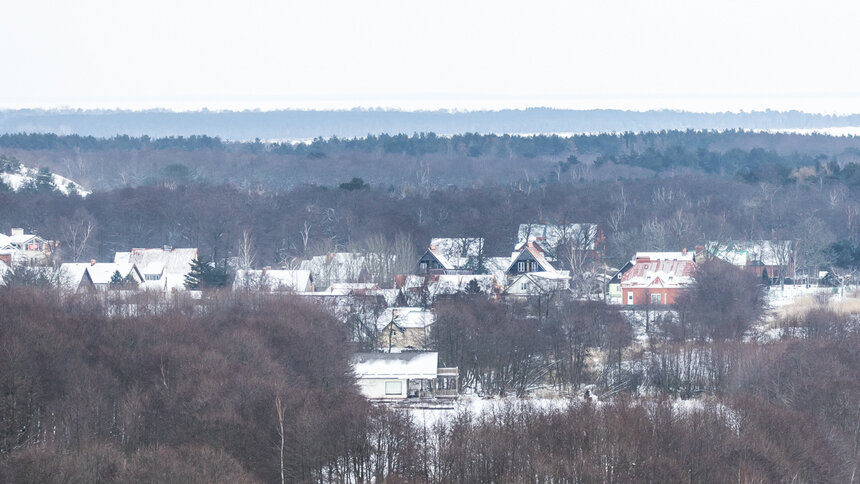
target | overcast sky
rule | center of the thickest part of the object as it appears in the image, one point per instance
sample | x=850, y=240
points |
x=701, y=56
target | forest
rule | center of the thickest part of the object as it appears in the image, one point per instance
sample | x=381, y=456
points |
x=237, y=386
x=248, y=388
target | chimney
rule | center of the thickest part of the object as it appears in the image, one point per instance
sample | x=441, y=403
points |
x=92, y=262
x=684, y=251
x=267, y=269
x=17, y=231
x=167, y=248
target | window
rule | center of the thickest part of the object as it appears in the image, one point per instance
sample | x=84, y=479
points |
x=152, y=277
x=629, y=298
x=423, y=266
x=655, y=299
x=521, y=266
x=393, y=387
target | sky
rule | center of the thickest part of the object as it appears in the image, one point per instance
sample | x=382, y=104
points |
x=464, y=55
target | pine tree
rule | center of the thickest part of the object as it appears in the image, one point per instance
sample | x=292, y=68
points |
x=205, y=274
x=45, y=181
x=116, y=279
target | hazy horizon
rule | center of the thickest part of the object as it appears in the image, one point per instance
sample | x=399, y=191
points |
x=728, y=56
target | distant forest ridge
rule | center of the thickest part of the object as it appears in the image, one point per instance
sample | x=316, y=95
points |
x=306, y=125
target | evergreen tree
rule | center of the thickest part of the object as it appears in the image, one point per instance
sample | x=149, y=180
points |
x=205, y=274
x=116, y=279
x=45, y=181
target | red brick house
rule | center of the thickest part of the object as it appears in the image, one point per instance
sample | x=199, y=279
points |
x=657, y=278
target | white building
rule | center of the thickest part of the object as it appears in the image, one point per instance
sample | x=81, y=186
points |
x=396, y=376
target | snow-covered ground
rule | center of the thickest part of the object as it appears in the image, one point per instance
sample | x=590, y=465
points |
x=25, y=175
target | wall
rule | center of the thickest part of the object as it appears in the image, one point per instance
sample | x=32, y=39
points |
x=375, y=387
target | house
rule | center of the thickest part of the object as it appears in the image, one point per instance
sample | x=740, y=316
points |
x=613, y=286
x=657, y=277
x=98, y=275
x=71, y=275
x=538, y=284
x=270, y=280
x=529, y=258
x=402, y=328
x=397, y=376
x=19, y=247
x=775, y=258
x=461, y=255
x=162, y=269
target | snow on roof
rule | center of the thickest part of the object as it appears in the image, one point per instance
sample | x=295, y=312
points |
x=665, y=256
x=273, y=280
x=405, y=317
x=154, y=268
x=659, y=273
x=443, y=261
x=456, y=251
x=71, y=274
x=344, y=288
x=546, y=281
x=551, y=235
x=4, y=269
x=536, y=253
x=176, y=264
x=396, y=365
x=173, y=261
x=453, y=284
x=102, y=272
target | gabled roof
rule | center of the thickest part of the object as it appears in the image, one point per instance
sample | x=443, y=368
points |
x=71, y=274
x=101, y=273
x=542, y=281
x=536, y=253
x=396, y=365
x=659, y=274
x=405, y=317
x=176, y=263
x=440, y=257
x=457, y=251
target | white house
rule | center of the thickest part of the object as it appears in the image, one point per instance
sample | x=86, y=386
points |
x=396, y=376
x=25, y=248
x=162, y=269
x=538, y=283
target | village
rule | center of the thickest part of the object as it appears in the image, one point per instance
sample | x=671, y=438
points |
x=391, y=318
